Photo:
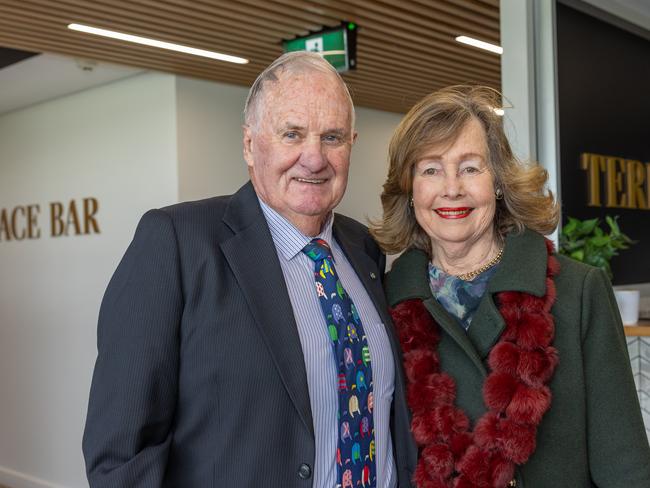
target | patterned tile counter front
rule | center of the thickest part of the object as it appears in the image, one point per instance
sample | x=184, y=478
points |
x=639, y=349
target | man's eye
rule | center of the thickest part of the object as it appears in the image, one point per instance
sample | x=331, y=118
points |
x=332, y=139
x=291, y=135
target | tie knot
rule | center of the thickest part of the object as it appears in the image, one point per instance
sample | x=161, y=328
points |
x=317, y=250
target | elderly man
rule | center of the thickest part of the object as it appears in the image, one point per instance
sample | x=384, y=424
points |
x=243, y=340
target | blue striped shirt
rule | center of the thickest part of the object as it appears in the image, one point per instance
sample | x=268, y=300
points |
x=298, y=271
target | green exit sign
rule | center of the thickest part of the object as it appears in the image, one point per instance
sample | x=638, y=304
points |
x=338, y=45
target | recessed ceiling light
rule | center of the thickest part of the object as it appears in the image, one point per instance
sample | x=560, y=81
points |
x=499, y=111
x=480, y=44
x=154, y=43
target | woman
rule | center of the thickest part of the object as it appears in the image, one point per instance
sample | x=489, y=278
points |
x=515, y=357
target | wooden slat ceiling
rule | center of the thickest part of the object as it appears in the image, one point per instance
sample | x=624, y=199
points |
x=405, y=49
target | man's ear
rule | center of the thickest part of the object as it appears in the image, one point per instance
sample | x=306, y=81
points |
x=354, y=136
x=248, y=144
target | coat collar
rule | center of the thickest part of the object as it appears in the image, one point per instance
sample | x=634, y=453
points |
x=523, y=251
x=522, y=268
x=252, y=256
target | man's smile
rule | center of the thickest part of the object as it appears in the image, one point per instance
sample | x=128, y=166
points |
x=313, y=181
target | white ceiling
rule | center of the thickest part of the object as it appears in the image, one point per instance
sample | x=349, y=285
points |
x=49, y=76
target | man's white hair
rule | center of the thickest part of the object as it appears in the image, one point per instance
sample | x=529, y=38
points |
x=289, y=63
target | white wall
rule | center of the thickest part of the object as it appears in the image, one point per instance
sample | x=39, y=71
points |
x=116, y=143
x=369, y=165
x=146, y=141
x=210, y=116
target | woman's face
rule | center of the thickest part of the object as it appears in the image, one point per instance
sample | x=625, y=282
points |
x=453, y=190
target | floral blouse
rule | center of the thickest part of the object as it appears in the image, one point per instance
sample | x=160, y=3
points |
x=460, y=298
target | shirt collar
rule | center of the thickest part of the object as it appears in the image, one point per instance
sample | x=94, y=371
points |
x=288, y=240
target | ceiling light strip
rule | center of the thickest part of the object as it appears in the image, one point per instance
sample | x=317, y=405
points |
x=154, y=43
x=480, y=44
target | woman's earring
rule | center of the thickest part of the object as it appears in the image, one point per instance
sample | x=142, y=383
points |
x=498, y=193
x=411, y=202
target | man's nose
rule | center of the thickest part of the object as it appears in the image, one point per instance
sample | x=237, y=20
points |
x=313, y=154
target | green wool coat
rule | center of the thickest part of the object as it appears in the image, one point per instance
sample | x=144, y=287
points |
x=593, y=434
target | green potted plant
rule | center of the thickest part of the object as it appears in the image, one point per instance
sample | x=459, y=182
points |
x=587, y=242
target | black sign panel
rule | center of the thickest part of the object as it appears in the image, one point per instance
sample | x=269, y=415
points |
x=604, y=123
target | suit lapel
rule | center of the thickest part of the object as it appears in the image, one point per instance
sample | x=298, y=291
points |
x=454, y=330
x=366, y=269
x=522, y=251
x=370, y=275
x=526, y=250
x=409, y=279
x=254, y=262
x=487, y=326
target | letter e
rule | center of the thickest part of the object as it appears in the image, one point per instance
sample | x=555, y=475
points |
x=33, y=232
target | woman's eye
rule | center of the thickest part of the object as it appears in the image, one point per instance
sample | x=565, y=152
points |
x=470, y=170
x=430, y=171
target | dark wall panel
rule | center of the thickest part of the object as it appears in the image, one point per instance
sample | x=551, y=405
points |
x=604, y=109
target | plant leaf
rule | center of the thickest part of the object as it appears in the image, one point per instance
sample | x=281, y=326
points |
x=569, y=228
x=578, y=255
x=587, y=226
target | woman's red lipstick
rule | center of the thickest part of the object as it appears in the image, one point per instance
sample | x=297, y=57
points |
x=453, y=212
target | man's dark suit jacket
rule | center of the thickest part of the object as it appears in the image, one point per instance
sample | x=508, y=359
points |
x=200, y=379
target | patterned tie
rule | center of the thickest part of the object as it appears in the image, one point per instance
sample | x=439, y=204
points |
x=355, y=455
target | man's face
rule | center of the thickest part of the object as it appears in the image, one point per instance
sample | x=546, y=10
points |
x=298, y=147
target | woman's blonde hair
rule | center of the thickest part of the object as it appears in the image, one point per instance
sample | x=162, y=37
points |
x=439, y=118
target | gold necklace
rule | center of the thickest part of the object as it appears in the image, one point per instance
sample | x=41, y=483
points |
x=473, y=274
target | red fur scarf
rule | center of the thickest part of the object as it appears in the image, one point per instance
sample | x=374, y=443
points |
x=515, y=392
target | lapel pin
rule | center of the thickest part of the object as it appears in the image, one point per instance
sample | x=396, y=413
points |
x=373, y=275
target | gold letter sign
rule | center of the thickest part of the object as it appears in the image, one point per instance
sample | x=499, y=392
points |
x=627, y=181
x=76, y=217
